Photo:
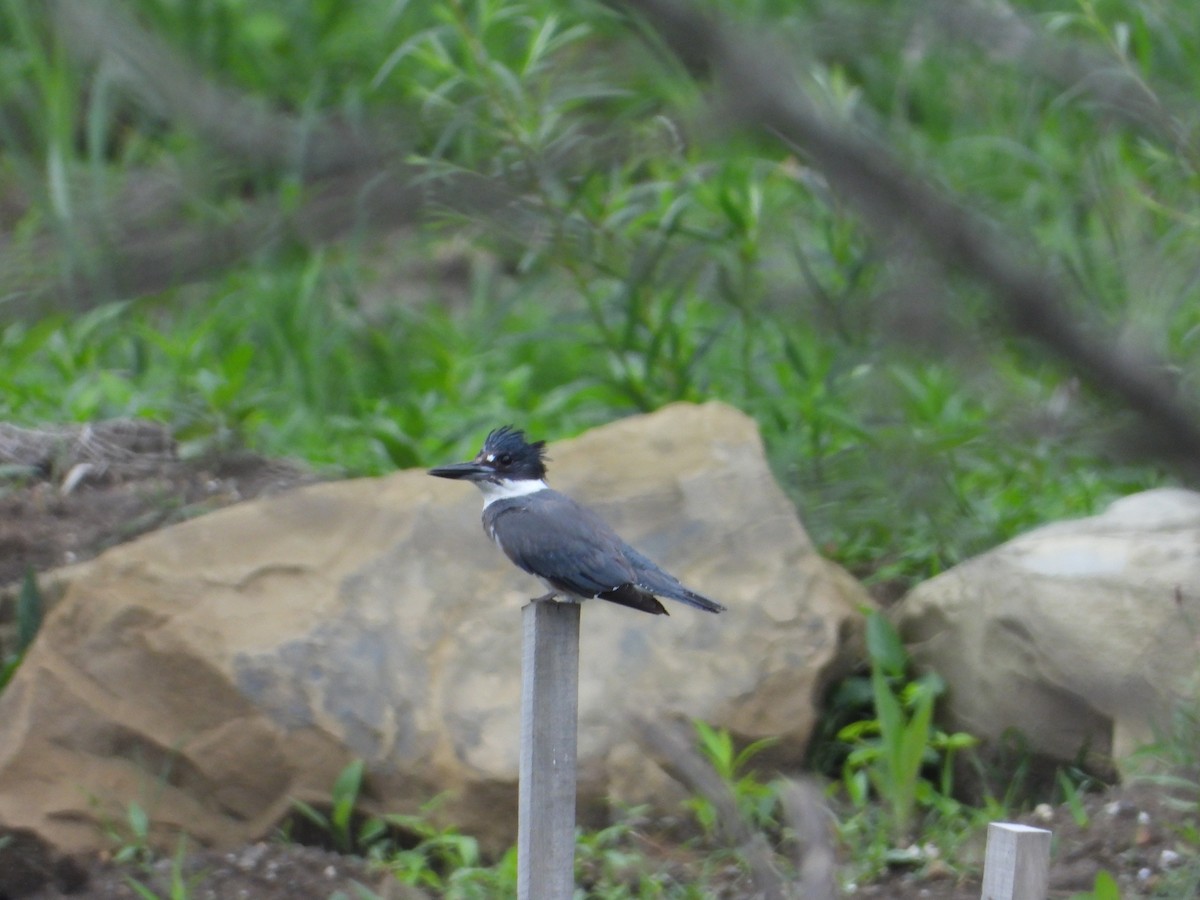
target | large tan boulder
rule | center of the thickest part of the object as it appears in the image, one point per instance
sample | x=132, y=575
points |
x=217, y=669
x=1082, y=634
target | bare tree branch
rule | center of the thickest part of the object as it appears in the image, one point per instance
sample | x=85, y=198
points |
x=1115, y=87
x=672, y=750
x=131, y=443
x=242, y=128
x=756, y=92
x=133, y=251
x=148, y=236
x=811, y=826
x=1121, y=92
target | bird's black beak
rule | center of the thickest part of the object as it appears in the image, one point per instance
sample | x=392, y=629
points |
x=469, y=471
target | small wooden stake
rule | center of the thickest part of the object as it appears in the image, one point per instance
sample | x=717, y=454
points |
x=1017, y=863
x=549, y=712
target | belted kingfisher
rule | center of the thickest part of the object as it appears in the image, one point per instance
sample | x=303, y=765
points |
x=570, y=548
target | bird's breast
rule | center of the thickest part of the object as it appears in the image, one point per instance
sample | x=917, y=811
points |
x=490, y=516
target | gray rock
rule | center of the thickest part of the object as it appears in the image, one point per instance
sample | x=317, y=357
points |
x=1082, y=634
x=215, y=670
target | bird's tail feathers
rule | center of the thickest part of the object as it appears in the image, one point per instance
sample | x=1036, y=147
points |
x=699, y=601
x=654, y=580
x=629, y=595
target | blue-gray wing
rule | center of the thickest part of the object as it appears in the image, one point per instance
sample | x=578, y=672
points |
x=654, y=580
x=551, y=536
x=575, y=551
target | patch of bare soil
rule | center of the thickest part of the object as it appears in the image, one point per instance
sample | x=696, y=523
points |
x=66, y=495
x=263, y=871
x=54, y=512
x=1132, y=832
x=1129, y=832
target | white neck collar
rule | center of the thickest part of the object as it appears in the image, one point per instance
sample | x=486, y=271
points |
x=507, y=489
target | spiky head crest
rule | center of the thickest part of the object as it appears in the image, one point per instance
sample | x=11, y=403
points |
x=512, y=456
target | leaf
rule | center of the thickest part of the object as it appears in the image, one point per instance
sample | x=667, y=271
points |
x=372, y=831
x=139, y=820
x=345, y=795
x=960, y=740
x=884, y=646
x=717, y=746
x=857, y=731
x=857, y=787
x=859, y=757
x=7, y=669
x=311, y=813
x=915, y=742
x=752, y=750
x=29, y=611
x=887, y=709
x=1105, y=887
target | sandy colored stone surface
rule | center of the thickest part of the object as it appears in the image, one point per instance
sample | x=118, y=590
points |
x=216, y=669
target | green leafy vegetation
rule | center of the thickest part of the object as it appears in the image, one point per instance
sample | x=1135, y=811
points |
x=442, y=859
x=670, y=270
x=757, y=802
x=180, y=885
x=1105, y=888
x=338, y=823
x=650, y=264
x=898, y=771
x=29, y=620
x=611, y=862
x=409, y=847
x=892, y=751
x=130, y=837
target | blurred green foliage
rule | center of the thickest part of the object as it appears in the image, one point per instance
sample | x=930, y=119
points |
x=909, y=427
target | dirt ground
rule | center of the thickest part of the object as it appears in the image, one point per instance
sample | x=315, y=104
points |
x=70, y=498
x=1130, y=832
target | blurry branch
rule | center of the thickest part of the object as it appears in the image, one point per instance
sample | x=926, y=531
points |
x=148, y=236
x=1114, y=85
x=131, y=443
x=73, y=453
x=132, y=248
x=154, y=232
x=810, y=823
x=159, y=80
x=806, y=818
x=1005, y=34
x=756, y=90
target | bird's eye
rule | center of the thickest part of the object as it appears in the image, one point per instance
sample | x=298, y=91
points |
x=504, y=459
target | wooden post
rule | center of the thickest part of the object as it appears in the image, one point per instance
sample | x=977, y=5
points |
x=549, y=713
x=1017, y=863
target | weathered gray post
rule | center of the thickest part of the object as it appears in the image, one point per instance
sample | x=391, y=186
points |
x=1017, y=862
x=549, y=714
